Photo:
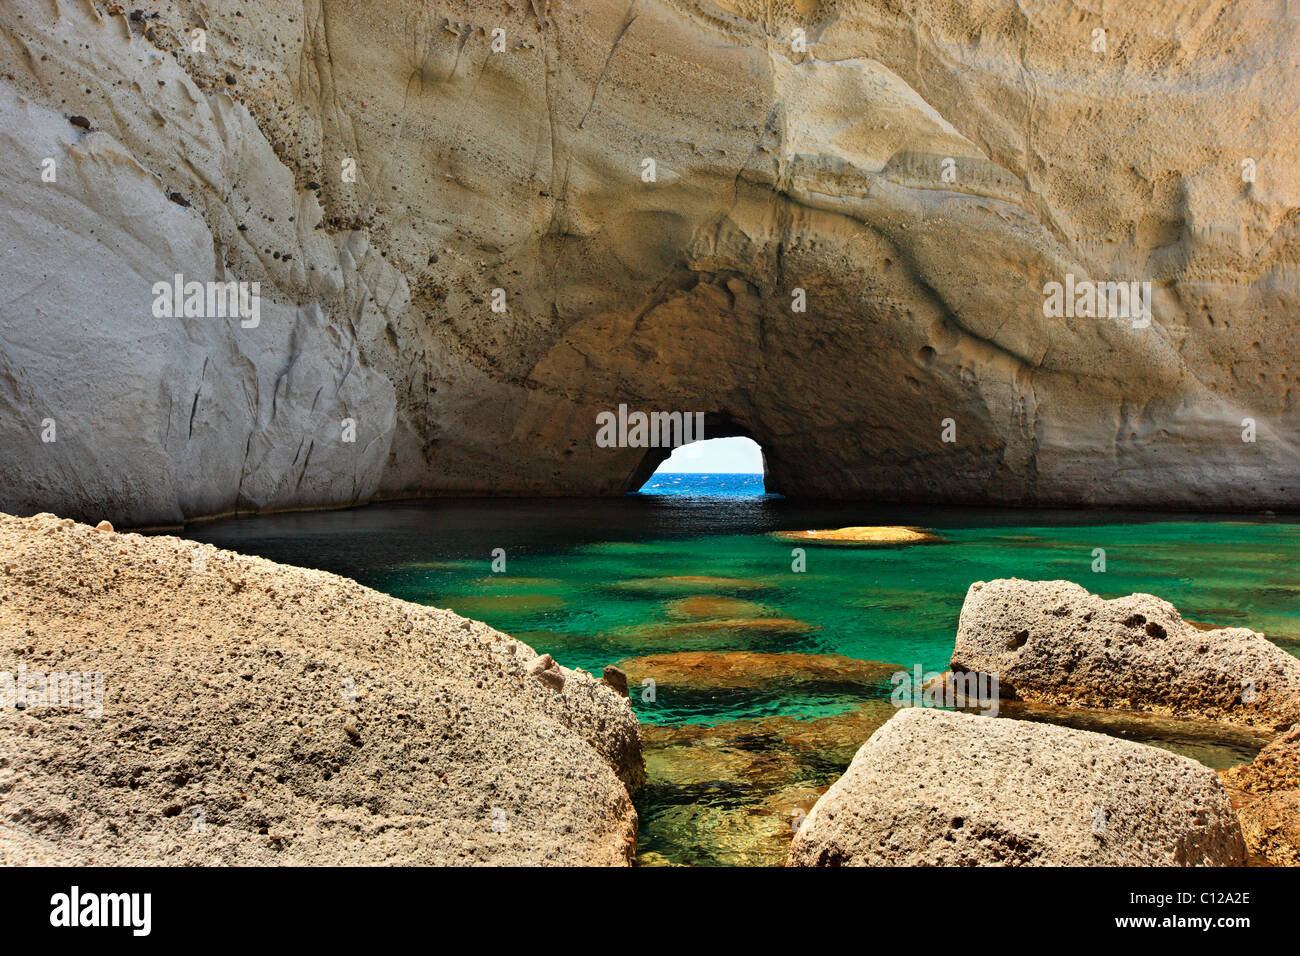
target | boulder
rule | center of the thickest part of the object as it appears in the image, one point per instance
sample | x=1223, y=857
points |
x=230, y=710
x=935, y=787
x=1276, y=767
x=1053, y=642
x=1269, y=793
x=1271, y=826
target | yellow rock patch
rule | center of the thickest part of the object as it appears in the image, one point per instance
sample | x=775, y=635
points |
x=879, y=536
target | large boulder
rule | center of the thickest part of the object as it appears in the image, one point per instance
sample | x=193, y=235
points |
x=218, y=708
x=935, y=787
x=1053, y=642
x=1271, y=827
x=1269, y=791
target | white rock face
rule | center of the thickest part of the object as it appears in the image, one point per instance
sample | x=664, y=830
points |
x=921, y=176
x=156, y=419
x=937, y=788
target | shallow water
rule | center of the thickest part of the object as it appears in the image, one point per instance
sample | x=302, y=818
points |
x=767, y=694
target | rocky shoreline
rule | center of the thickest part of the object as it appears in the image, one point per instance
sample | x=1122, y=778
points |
x=1011, y=792
x=187, y=705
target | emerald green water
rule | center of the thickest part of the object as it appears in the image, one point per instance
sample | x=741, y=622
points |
x=732, y=759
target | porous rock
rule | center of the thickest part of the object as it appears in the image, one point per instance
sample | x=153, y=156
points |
x=255, y=713
x=934, y=787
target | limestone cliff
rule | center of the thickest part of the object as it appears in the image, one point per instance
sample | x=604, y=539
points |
x=920, y=169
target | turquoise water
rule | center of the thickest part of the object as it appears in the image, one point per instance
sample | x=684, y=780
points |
x=763, y=681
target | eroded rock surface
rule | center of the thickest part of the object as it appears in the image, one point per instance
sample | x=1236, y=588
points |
x=935, y=787
x=254, y=713
x=1270, y=800
x=1276, y=767
x=1054, y=642
x=921, y=173
x=1271, y=827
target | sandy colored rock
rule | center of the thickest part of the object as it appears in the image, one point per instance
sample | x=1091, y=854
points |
x=615, y=680
x=547, y=671
x=1054, y=642
x=716, y=670
x=254, y=713
x=921, y=172
x=1271, y=827
x=1268, y=790
x=1276, y=767
x=865, y=537
x=935, y=787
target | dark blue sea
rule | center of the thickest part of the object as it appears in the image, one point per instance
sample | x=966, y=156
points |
x=704, y=486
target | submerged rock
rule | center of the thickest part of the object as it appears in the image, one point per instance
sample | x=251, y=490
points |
x=254, y=713
x=689, y=584
x=733, y=793
x=1054, y=642
x=865, y=537
x=501, y=605
x=759, y=752
x=934, y=787
x=711, y=670
x=648, y=638
x=715, y=607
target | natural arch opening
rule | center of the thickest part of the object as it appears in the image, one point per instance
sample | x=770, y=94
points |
x=730, y=466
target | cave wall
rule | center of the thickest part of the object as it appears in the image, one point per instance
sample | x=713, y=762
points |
x=521, y=170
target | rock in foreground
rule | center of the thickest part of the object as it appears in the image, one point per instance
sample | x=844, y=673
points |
x=254, y=713
x=1270, y=791
x=1276, y=767
x=1271, y=827
x=1053, y=642
x=935, y=787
